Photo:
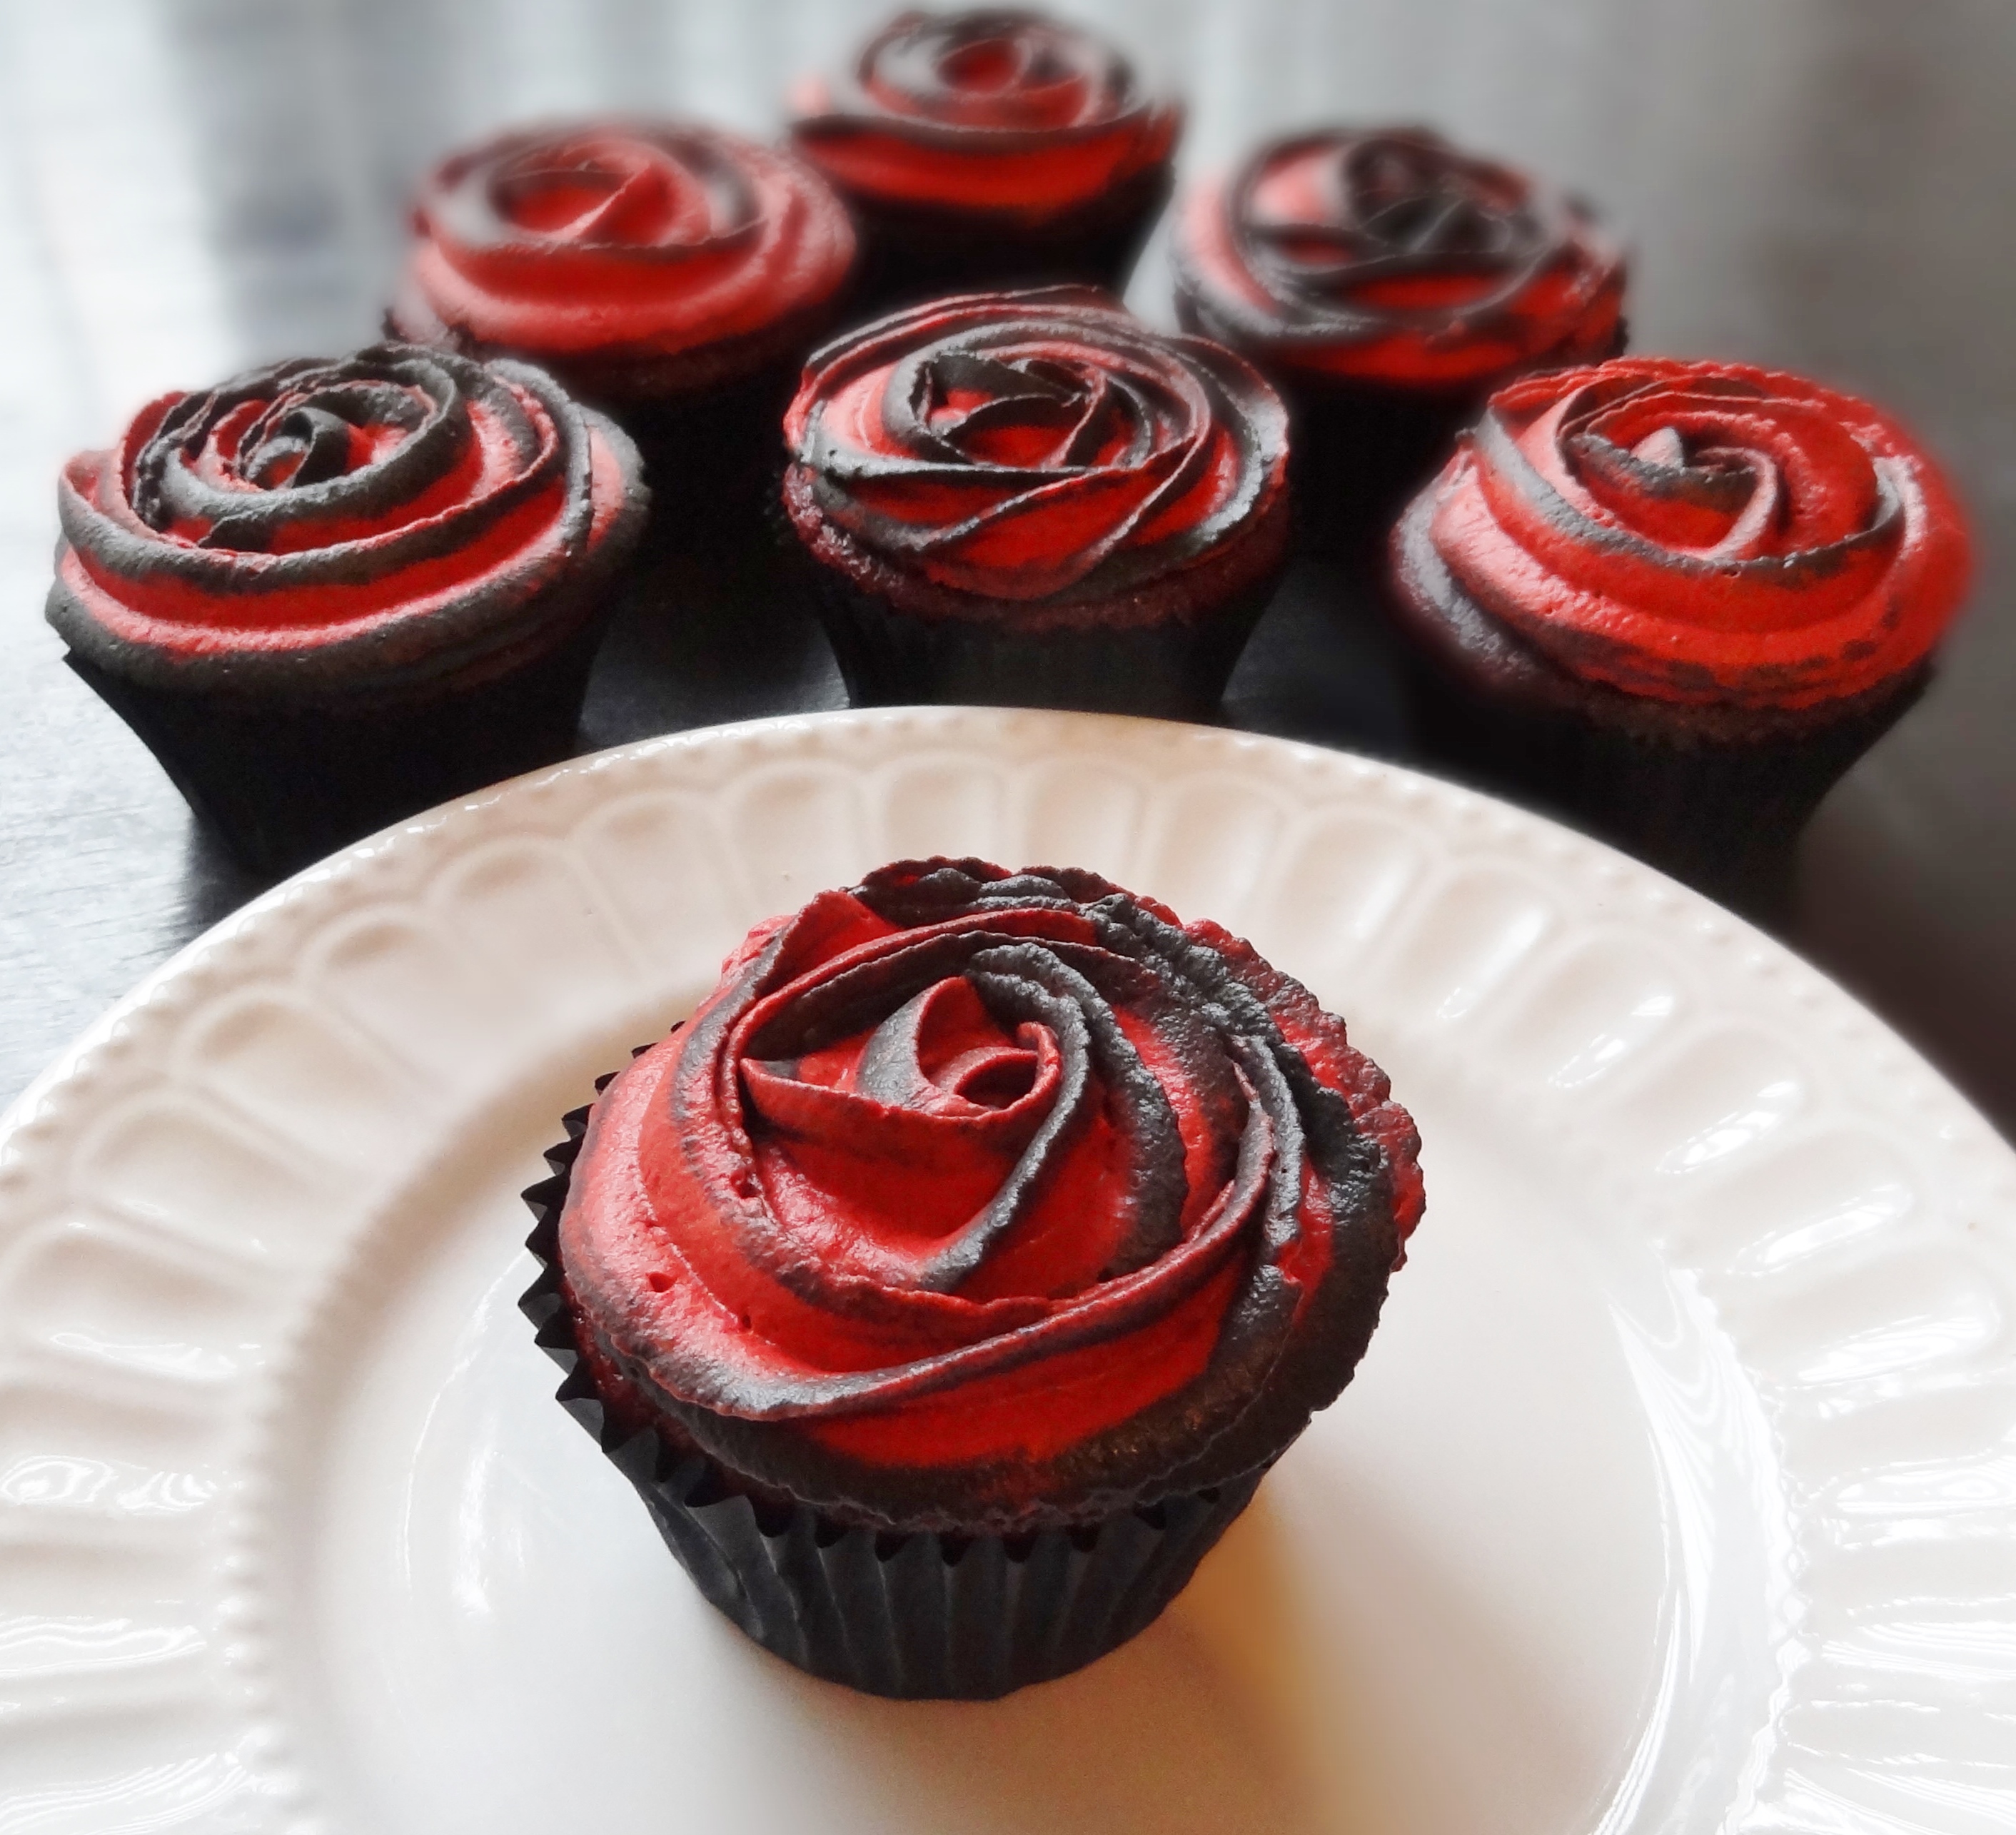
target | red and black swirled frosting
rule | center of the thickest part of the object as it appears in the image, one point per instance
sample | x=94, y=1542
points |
x=1390, y=256
x=1039, y=445
x=613, y=245
x=1695, y=532
x=987, y=110
x=400, y=511
x=972, y=1199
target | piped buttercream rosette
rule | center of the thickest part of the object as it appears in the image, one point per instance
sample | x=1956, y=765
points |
x=1034, y=445
x=1390, y=256
x=991, y=110
x=972, y=1199
x=1698, y=532
x=607, y=246
x=399, y=513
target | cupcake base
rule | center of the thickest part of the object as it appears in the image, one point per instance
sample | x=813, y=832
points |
x=912, y=252
x=282, y=783
x=1717, y=797
x=914, y=1615
x=1175, y=670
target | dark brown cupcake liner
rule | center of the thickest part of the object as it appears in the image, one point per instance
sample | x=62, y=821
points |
x=1725, y=816
x=1175, y=669
x=917, y=1615
x=280, y=781
x=912, y=253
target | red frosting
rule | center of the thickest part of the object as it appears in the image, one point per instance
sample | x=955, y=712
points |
x=1703, y=532
x=622, y=241
x=1390, y=256
x=396, y=508
x=999, y=111
x=1026, y=446
x=1003, y=1192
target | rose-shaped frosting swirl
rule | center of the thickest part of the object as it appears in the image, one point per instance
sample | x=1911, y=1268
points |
x=1391, y=256
x=624, y=243
x=985, y=110
x=1034, y=445
x=398, y=511
x=1700, y=532
x=978, y=1197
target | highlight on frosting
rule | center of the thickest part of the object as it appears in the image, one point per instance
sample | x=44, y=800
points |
x=1698, y=532
x=972, y=1194
x=605, y=237
x=401, y=505
x=988, y=110
x=1021, y=446
x=1390, y=255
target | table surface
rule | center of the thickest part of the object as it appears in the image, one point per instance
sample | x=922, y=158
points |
x=192, y=186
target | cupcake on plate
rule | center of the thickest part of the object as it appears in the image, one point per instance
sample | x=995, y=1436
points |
x=1033, y=499
x=1676, y=600
x=1389, y=283
x=673, y=275
x=327, y=594
x=991, y=148
x=947, y=1282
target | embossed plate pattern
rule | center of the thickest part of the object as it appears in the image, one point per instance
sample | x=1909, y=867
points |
x=1678, y=1491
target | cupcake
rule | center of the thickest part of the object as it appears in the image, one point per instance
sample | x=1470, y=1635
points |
x=675, y=276
x=1033, y=498
x=1676, y=600
x=327, y=594
x=990, y=148
x=1388, y=284
x=947, y=1283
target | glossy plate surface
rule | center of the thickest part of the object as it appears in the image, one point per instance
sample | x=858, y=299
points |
x=1677, y=1493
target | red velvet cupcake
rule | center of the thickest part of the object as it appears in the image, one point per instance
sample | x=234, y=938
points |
x=327, y=594
x=1677, y=600
x=1389, y=284
x=675, y=276
x=990, y=148
x=1033, y=499
x=948, y=1282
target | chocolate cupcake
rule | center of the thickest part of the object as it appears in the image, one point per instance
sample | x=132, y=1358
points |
x=1676, y=600
x=947, y=1283
x=327, y=594
x=673, y=276
x=990, y=148
x=1389, y=284
x=1033, y=499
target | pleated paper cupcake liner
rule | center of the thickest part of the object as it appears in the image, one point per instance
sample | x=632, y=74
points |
x=914, y=1614
x=280, y=781
x=1175, y=670
x=1725, y=816
x=911, y=254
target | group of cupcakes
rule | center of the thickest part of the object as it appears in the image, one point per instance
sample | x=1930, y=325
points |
x=1674, y=598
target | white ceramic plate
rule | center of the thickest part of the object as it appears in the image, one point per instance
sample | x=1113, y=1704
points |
x=1678, y=1491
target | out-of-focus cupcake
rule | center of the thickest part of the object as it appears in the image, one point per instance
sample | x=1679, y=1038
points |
x=1034, y=498
x=947, y=1283
x=1389, y=283
x=673, y=275
x=987, y=149
x=1676, y=600
x=327, y=594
